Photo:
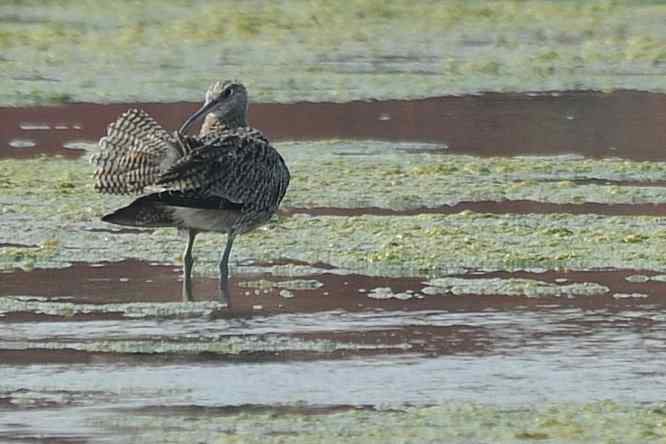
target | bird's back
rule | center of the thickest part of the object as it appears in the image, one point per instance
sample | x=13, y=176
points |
x=239, y=165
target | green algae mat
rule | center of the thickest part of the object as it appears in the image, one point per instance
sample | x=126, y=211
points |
x=603, y=422
x=49, y=206
x=286, y=51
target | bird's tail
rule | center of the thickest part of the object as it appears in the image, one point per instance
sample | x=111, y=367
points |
x=146, y=211
x=135, y=150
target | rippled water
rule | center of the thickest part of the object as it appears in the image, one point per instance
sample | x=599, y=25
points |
x=503, y=358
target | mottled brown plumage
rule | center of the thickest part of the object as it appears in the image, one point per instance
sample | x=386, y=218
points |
x=228, y=179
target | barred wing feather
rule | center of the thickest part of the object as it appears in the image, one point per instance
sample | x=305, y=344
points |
x=134, y=153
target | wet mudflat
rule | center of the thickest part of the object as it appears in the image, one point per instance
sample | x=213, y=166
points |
x=493, y=273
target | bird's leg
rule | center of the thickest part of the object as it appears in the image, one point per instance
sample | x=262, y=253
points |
x=187, y=266
x=225, y=294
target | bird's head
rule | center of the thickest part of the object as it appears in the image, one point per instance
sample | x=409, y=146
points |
x=227, y=101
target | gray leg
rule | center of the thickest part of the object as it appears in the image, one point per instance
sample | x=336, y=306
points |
x=187, y=266
x=225, y=294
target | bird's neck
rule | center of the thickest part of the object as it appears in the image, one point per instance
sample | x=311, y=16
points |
x=213, y=123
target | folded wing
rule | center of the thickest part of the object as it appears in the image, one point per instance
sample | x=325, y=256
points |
x=239, y=166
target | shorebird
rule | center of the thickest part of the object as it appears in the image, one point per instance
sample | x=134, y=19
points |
x=228, y=179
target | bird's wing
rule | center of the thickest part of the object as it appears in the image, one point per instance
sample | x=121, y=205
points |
x=134, y=152
x=234, y=165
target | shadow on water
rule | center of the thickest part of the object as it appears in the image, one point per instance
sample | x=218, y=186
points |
x=625, y=124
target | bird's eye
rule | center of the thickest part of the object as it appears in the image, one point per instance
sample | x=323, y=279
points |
x=227, y=92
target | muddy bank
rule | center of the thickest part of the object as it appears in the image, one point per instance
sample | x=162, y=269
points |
x=626, y=124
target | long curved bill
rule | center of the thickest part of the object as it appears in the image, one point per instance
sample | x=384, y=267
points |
x=190, y=120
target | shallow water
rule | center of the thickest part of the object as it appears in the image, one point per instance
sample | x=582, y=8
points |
x=64, y=377
x=95, y=345
x=626, y=124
